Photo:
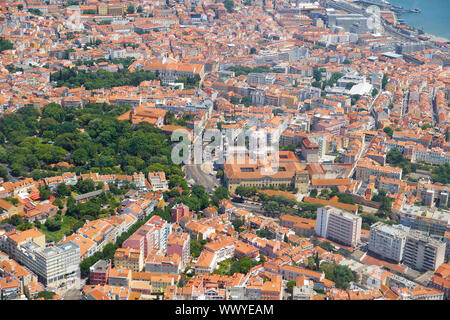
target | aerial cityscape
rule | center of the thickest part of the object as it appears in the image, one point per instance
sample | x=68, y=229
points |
x=224, y=150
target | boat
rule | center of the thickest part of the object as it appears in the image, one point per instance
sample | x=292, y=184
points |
x=417, y=10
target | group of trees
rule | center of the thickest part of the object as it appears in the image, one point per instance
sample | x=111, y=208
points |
x=441, y=173
x=317, y=73
x=44, y=193
x=386, y=204
x=314, y=262
x=71, y=3
x=107, y=254
x=101, y=206
x=47, y=295
x=369, y=218
x=170, y=118
x=5, y=45
x=245, y=100
x=189, y=82
x=17, y=221
x=326, y=194
x=89, y=11
x=219, y=194
x=62, y=190
x=354, y=99
x=389, y=131
x=54, y=223
x=384, y=81
x=73, y=78
x=82, y=186
x=263, y=233
x=131, y=9
x=335, y=76
x=13, y=69
x=91, y=138
x=246, y=192
x=197, y=247
x=242, y=265
x=395, y=158
x=277, y=205
x=339, y=274
x=349, y=85
x=277, y=111
x=229, y=5
x=232, y=266
x=322, y=83
x=20, y=148
x=196, y=199
x=237, y=224
x=244, y=70
x=374, y=92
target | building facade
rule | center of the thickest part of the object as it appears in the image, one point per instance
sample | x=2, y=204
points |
x=423, y=253
x=338, y=225
x=387, y=241
x=52, y=264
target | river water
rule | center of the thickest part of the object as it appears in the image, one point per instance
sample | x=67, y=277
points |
x=434, y=18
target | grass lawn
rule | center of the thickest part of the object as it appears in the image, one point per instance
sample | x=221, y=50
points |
x=57, y=235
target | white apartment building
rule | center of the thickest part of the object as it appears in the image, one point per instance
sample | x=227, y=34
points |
x=52, y=264
x=222, y=249
x=430, y=220
x=434, y=155
x=368, y=167
x=338, y=225
x=322, y=222
x=388, y=241
x=162, y=231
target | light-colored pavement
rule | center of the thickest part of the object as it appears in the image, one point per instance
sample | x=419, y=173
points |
x=74, y=291
x=195, y=172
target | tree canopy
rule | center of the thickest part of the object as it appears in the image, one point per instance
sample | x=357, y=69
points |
x=74, y=78
x=341, y=275
x=5, y=45
x=389, y=131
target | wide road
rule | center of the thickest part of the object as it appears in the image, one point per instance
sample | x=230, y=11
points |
x=248, y=206
x=72, y=294
x=195, y=173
